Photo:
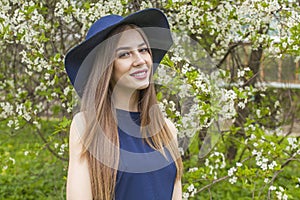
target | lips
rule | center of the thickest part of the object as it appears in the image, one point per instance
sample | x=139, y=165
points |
x=140, y=74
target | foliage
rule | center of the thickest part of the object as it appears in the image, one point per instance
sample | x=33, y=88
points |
x=28, y=170
x=229, y=125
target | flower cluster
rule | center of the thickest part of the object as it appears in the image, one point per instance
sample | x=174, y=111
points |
x=280, y=195
x=191, y=192
x=8, y=162
x=293, y=143
x=62, y=148
x=216, y=161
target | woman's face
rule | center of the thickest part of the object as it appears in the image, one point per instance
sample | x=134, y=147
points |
x=133, y=63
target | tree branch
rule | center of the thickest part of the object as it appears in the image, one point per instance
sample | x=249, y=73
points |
x=49, y=148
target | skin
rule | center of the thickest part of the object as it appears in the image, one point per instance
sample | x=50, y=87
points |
x=132, y=56
x=78, y=181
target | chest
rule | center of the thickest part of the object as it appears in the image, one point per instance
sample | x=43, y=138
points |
x=143, y=173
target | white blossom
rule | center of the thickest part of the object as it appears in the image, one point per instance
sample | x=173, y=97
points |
x=266, y=180
x=272, y=187
x=191, y=188
x=241, y=105
x=185, y=195
x=231, y=171
x=233, y=180
x=238, y=164
x=12, y=159
x=193, y=169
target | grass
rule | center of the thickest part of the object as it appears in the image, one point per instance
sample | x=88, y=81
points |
x=27, y=169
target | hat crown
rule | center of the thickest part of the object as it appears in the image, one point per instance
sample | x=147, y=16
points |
x=103, y=23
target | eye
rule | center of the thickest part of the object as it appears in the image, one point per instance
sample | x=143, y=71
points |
x=144, y=50
x=123, y=54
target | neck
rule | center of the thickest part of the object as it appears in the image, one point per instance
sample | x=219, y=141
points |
x=125, y=99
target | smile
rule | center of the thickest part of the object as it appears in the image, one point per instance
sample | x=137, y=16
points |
x=141, y=74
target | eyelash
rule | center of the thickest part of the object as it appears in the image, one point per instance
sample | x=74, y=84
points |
x=121, y=55
x=142, y=50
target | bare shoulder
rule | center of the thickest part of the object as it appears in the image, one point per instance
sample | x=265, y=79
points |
x=172, y=127
x=76, y=132
x=77, y=126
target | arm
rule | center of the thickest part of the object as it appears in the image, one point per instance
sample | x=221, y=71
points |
x=177, y=191
x=78, y=181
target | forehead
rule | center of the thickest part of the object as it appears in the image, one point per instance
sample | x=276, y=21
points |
x=130, y=38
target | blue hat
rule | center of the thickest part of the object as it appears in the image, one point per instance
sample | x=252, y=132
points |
x=160, y=41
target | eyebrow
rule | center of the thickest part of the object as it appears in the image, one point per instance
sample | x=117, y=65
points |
x=126, y=48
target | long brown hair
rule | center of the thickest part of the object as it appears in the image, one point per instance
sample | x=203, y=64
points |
x=100, y=139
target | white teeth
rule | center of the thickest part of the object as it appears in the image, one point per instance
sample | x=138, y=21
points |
x=139, y=74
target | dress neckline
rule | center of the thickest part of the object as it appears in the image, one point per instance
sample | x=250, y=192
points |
x=121, y=111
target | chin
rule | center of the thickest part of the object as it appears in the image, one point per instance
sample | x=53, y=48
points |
x=143, y=86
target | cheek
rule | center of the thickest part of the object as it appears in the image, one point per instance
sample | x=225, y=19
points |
x=148, y=59
x=150, y=62
x=120, y=68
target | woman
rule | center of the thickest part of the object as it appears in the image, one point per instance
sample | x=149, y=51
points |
x=121, y=147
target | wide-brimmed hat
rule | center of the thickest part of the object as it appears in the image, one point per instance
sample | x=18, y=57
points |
x=152, y=21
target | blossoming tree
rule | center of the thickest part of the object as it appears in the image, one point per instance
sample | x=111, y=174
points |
x=229, y=125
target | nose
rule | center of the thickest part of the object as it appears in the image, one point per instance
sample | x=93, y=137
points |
x=138, y=59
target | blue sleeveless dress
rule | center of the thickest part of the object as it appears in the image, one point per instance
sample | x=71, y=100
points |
x=143, y=174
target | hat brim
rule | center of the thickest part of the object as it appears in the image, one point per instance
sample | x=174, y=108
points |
x=148, y=18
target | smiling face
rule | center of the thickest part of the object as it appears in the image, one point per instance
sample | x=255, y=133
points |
x=133, y=63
